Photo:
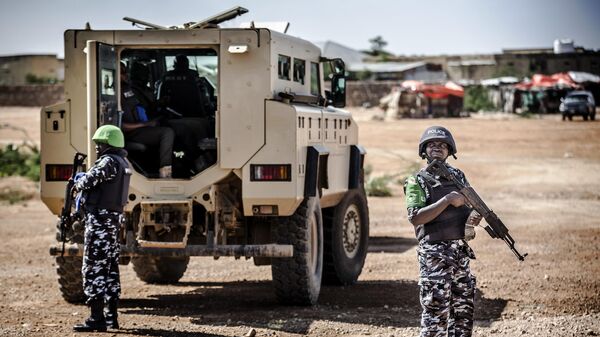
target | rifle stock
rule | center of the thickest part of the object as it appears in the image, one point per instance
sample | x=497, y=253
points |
x=495, y=228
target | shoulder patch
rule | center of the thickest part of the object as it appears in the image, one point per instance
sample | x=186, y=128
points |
x=415, y=196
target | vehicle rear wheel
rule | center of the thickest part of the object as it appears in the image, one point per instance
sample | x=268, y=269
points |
x=297, y=280
x=346, y=229
x=160, y=269
x=70, y=279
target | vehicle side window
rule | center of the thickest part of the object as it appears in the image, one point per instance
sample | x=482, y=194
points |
x=299, y=70
x=315, y=83
x=283, y=67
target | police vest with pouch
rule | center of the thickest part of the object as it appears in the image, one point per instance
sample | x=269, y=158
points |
x=111, y=195
x=450, y=224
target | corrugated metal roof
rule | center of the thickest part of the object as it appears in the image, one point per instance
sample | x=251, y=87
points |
x=332, y=49
x=384, y=67
x=499, y=80
x=580, y=77
x=466, y=63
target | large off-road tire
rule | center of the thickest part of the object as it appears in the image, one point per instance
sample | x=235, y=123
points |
x=346, y=229
x=297, y=280
x=160, y=269
x=70, y=279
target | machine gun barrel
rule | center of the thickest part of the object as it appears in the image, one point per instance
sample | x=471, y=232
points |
x=496, y=228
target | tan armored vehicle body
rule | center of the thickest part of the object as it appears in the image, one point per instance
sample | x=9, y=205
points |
x=284, y=181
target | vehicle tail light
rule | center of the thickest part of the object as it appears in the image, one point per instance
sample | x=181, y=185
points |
x=58, y=172
x=271, y=172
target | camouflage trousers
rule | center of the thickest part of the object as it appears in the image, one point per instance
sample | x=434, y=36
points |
x=101, y=255
x=447, y=288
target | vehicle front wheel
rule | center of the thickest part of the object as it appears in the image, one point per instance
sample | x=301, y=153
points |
x=346, y=239
x=297, y=279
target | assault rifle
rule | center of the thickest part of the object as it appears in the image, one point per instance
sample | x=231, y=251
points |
x=496, y=229
x=67, y=218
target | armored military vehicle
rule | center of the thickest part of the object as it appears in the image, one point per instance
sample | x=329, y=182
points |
x=283, y=182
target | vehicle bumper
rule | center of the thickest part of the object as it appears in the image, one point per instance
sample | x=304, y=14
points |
x=268, y=250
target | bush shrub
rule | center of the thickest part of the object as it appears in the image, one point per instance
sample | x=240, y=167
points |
x=378, y=186
x=21, y=161
x=477, y=99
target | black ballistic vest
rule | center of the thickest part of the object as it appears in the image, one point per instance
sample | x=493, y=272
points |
x=111, y=195
x=450, y=224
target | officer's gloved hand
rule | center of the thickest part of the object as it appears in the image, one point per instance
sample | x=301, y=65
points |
x=78, y=176
x=79, y=201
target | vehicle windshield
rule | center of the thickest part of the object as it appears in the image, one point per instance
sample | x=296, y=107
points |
x=576, y=98
x=205, y=65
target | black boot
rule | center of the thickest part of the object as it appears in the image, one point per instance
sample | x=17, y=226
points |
x=111, y=314
x=96, y=321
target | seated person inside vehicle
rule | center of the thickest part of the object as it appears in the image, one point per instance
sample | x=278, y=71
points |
x=140, y=121
x=184, y=101
x=184, y=91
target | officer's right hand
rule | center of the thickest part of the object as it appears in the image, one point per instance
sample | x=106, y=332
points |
x=455, y=199
x=78, y=176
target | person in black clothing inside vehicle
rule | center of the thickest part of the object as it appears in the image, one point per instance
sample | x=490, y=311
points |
x=189, y=95
x=140, y=117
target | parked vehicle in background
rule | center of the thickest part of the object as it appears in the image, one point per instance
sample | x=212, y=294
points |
x=578, y=103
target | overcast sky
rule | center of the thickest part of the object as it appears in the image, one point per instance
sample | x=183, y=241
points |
x=424, y=27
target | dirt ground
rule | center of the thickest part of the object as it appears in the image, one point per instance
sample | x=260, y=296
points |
x=540, y=175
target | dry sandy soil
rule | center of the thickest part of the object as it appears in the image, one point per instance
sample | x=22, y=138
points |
x=540, y=175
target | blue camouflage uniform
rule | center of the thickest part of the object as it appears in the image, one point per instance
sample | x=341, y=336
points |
x=102, y=222
x=447, y=286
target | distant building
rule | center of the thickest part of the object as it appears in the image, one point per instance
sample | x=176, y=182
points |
x=520, y=63
x=360, y=66
x=397, y=71
x=28, y=69
x=332, y=49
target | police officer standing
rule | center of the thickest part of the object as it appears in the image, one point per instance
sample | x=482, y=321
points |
x=439, y=215
x=106, y=187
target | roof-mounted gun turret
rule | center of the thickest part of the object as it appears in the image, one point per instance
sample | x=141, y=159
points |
x=209, y=22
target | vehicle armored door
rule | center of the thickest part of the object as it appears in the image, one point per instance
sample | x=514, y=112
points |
x=102, y=90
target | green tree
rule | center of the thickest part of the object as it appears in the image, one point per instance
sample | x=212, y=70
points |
x=477, y=99
x=377, y=45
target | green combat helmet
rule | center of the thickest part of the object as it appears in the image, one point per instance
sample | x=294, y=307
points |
x=111, y=135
